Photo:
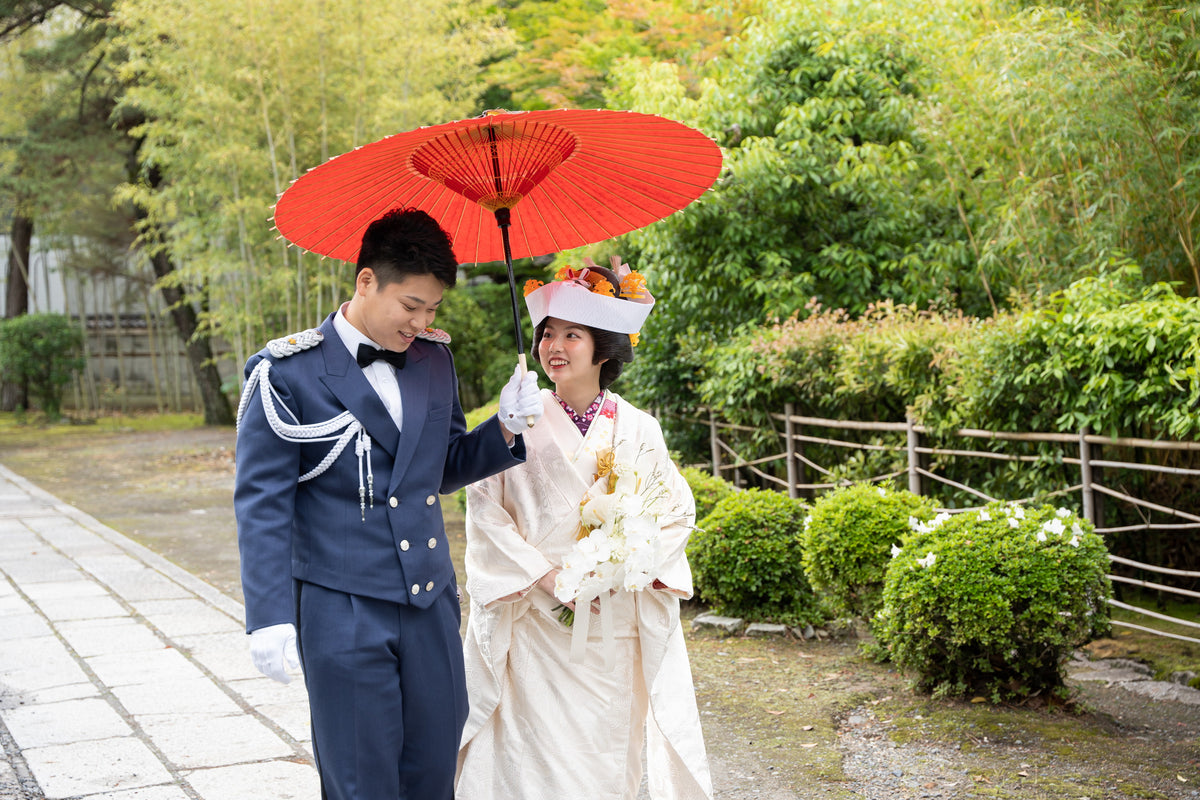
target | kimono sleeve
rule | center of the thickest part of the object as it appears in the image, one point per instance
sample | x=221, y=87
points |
x=499, y=561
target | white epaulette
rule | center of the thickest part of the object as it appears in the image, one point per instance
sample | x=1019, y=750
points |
x=340, y=429
x=435, y=335
x=290, y=345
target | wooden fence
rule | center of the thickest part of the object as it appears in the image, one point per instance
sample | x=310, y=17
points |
x=1077, y=450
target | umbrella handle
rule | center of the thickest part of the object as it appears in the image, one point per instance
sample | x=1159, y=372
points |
x=525, y=368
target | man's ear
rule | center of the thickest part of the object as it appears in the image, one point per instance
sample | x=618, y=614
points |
x=364, y=280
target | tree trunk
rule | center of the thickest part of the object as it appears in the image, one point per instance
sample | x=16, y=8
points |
x=16, y=301
x=217, y=410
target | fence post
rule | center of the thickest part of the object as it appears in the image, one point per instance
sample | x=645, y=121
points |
x=914, y=440
x=1085, y=475
x=788, y=430
x=712, y=443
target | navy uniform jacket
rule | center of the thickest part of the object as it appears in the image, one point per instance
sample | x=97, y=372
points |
x=399, y=551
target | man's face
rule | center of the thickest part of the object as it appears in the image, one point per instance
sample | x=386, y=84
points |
x=394, y=314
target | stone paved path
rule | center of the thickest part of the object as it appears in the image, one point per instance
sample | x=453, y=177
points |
x=123, y=677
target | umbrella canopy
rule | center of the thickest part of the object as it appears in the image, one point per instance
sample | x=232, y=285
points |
x=569, y=177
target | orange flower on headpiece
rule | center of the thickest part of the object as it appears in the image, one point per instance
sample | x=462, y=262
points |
x=633, y=284
x=532, y=286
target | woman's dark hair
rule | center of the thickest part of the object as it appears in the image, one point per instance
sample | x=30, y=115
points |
x=407, y=241
x=615, y=347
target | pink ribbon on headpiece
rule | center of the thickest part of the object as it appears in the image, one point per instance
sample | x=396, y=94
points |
x=577, y=277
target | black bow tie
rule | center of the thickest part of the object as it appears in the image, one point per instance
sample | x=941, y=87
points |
x=367, y=355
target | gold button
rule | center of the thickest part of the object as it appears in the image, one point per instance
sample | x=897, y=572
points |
x=432, y=543
x=393, y=502
x=416, y=589
x=404, y=544
x=429, y=586
x=430, y=500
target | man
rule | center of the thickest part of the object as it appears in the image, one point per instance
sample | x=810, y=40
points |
x=347, y=434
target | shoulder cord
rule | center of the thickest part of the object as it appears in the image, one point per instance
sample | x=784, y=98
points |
x=343, y=428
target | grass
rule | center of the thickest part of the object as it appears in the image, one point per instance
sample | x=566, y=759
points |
x=22, y=429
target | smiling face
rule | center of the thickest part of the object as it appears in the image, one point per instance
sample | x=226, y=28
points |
x=566, y=351
x=393, y=314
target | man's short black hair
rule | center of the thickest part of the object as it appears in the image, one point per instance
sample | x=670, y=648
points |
x=407, y=241
x=616, y=347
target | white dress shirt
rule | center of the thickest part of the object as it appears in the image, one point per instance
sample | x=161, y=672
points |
x=380, y=374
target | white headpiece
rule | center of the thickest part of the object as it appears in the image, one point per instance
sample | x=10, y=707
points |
x=586, y=297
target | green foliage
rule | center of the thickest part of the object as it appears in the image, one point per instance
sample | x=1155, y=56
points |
x=992, y=602
x=828, y=363
x=707, y=489
x=1071, y=132
x=1108, y=353
x=746, y=558
x=43, y=352
x=478, y=319
x=825, y=192
x=565, y=48
x=848, y=541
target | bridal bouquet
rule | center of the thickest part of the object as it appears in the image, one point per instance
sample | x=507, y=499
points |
x=620, y=519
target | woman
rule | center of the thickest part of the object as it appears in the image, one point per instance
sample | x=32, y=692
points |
x=562, y=706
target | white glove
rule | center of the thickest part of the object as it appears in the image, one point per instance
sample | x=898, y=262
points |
x=273, y=650
x=520, y=402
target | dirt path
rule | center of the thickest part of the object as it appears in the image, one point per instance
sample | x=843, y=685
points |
x=783, y=719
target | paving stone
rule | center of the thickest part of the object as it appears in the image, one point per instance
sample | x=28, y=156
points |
x=123, y=669
x=201, y=740
x=62, y=609
x=226, y=655
x=44, y=724
x=188, y=696
x=71, y=537
x=107, y=636
x=278, y=780
x=87, y=768
x=33, y=652
x=83, y=586
x=40, y=565
x=146, y=584
x=186, y=617
x=19, y=627
x=149, y=793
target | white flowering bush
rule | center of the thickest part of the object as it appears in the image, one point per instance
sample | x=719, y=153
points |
x=992, y=602
x=848, y=541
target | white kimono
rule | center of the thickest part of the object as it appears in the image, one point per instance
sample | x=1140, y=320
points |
x=541, y=726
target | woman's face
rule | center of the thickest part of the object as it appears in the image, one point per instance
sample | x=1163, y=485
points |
x=566, y=352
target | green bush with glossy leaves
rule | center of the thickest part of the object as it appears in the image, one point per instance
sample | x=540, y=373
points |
x=993, y=601
x=848, y=541
x=707, y=489
x=43, y=352
x=746, y=559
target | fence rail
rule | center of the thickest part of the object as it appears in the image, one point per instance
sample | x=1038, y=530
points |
x=1077, y=449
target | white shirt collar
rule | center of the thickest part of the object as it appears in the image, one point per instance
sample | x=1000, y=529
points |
x=351, y=336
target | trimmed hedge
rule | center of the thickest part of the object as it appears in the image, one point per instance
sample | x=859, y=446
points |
x=992, y=602
x=848, y=541
x=746, y=559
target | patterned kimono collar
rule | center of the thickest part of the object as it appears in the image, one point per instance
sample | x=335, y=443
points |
x=603, y=404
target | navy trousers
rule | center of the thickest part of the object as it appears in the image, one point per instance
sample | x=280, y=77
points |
x=386, y=691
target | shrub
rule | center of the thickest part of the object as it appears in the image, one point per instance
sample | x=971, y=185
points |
x=43, y=352
x=746, y=558
x=993, y=601
x=848, y=539
x=707, y=488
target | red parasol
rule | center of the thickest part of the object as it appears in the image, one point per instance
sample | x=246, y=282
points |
x=560, y=179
